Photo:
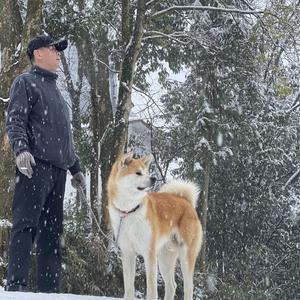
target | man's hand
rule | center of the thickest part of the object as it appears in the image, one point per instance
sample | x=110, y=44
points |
x=78, y=181
x=24, y=162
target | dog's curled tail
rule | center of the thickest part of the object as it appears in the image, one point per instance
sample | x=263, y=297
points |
x=185, y=189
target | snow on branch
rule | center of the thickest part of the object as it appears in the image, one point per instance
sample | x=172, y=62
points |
x=295, y=105
x=110, y=69
x=125, y=86
x=293, y=108
x=150, y=2
x=158, y=34
x=292, y=178
x=220, y=9
x=4, y=100
x=5, y=223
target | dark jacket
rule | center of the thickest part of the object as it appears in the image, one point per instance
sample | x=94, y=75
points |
x=38, y=120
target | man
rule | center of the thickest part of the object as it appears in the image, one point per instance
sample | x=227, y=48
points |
x=38, y=127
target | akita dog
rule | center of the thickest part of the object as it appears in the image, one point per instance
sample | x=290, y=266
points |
x=160, y=226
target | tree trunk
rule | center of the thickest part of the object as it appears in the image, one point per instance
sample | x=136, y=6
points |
x=75, y=92
x=94, y=187
x=14, y=35
x=105, y=130
x=86, y=49
x=204, y=209
x=132, y=47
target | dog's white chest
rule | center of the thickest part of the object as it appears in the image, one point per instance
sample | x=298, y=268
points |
x=132, y=231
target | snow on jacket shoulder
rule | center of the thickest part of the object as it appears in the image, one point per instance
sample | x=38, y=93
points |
x=38, y=120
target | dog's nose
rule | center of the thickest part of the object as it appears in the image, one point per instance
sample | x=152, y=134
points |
x=153, y=179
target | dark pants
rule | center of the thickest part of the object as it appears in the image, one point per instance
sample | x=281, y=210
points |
x=37, y=216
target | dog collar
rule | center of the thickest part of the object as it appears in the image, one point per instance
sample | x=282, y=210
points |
x=124, y=212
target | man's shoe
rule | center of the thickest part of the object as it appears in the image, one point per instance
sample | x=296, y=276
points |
x=16, y=288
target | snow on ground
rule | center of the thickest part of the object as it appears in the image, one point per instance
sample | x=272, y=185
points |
x=40, y=296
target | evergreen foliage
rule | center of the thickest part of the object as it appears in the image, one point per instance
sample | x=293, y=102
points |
x=233, y=120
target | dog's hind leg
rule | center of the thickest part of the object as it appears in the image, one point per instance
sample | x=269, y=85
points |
x=128, y=262
x=188, y=257
x=167, y=258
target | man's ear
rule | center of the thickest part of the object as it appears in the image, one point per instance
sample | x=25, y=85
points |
x=147, y=160
x=126, y=159
x=36, y=54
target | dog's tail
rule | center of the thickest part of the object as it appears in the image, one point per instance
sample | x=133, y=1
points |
x=185, y=189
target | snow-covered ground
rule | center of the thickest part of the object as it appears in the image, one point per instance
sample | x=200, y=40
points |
x=40, y=296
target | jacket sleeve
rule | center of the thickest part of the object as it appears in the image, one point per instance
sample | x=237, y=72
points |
x=75, y=168
x=17, y=116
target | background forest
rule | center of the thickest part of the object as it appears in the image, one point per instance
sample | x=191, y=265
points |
x=230, y=122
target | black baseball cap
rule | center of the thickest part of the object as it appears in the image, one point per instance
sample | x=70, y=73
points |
x=45, y=41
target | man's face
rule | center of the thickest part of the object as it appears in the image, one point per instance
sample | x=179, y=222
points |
x=47, y=58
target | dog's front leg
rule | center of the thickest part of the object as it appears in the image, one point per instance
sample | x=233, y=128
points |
x=151, y=274
x=128, y=262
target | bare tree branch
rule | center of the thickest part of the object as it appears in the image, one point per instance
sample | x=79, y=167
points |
x=150, y=97
x=211, y=8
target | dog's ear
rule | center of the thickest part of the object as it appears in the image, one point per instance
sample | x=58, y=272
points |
x=126, y=159
x=147, y=160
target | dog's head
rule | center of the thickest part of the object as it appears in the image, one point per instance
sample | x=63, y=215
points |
x=130, y=178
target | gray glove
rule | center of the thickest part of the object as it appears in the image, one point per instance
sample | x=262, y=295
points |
x=24, y=162
x=78, y=181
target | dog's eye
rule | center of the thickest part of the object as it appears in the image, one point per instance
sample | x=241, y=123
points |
x=139, y=173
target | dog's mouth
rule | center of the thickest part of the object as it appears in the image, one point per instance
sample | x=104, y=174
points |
x=140, y=188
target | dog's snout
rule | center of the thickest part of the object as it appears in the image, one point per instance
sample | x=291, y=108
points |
x=153, y=179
